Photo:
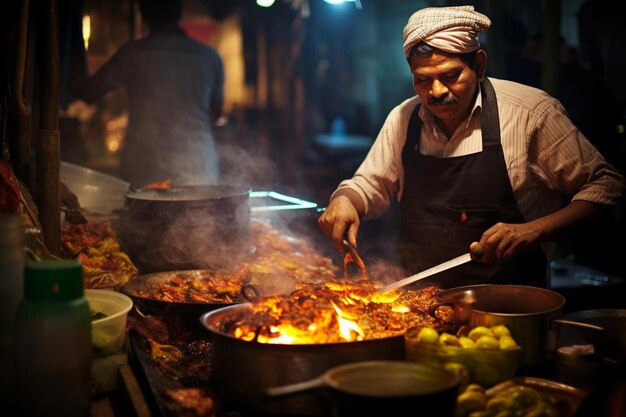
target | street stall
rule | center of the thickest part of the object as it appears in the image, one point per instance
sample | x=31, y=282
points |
x=217, y=300
x=222, y=338
x=271, y=327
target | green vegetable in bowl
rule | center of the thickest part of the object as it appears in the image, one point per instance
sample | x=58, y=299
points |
x=97, y=315
x=100, y=340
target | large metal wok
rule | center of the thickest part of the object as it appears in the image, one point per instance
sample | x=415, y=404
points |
x=243, y=371
x=142, y=290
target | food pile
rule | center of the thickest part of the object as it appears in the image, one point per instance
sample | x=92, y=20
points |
x=489, y=354
x=480, y=337
x=178, y=368
x=334, y=312
x=513, y=400
x=95, y=245
x=194, y=286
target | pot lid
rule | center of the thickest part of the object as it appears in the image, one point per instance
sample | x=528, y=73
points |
x=190, y=193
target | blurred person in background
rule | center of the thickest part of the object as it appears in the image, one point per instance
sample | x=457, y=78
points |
x=478, y=164
x=175, y=89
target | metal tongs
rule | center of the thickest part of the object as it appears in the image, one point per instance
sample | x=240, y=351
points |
x=352, y=257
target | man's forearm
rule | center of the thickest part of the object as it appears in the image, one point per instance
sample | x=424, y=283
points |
x=574, y=218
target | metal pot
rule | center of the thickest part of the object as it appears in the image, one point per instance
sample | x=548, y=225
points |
x=243, y=371
x=196, y=227
x=606, y=330
x=527, y=311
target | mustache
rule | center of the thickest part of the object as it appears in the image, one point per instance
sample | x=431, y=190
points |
x=448, y=99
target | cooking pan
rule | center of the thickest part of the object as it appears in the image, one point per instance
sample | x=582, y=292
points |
x=242, y=371
x=606, y=331
x=195, y=227
x=140, y=288
x=378, y=388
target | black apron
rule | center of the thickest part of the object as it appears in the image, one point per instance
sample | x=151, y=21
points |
x=449, y=202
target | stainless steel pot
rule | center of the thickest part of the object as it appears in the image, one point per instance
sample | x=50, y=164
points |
x=196, y=227
x=243, y=371
x=606, y=331
x=527, y=311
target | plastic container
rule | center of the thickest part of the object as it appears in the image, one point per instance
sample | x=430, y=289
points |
x=108, y=333
x=97, y=193
x=53, y=342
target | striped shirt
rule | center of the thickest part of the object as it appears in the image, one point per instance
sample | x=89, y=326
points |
x=545, y=154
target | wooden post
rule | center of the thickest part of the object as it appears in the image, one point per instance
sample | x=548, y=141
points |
x=48, y=151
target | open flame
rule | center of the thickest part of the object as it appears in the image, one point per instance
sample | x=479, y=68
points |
x=334, y=312
x=348, y=329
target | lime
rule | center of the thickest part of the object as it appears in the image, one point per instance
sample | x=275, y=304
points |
x=507, y=342
x=428, y=335
x=500, y=330
x=487, y=342
x=497, y=403
x=479, y=331
x=466, y=342
x=475, y=387
x=448, y=339
x=472, y=400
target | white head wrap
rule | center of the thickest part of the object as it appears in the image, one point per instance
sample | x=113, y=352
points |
x=451, y=29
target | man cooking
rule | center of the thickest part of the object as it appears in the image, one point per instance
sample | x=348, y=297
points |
x=478, y=164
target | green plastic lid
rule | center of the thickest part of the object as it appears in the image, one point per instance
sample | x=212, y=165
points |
x=53, y=280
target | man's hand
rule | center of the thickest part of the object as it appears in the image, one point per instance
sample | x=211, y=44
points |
x=340, y=219
x=503, y=240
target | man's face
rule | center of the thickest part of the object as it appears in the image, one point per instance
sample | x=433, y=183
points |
x=447, y=86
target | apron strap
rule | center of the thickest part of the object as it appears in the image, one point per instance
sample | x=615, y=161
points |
x=489, y=117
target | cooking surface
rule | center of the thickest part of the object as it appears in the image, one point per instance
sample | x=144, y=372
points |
x=166, y=382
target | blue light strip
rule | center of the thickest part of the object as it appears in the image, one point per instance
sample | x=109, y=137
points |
x=296, y=203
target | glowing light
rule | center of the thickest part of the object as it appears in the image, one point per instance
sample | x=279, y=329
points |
x=357, y=3
x=265, y=3
x=86, y=30
x=113, y=144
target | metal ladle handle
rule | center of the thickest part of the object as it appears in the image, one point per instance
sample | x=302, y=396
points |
x=297, y=387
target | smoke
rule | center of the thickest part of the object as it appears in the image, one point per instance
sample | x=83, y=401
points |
x=245, y=157
x=246, y=167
